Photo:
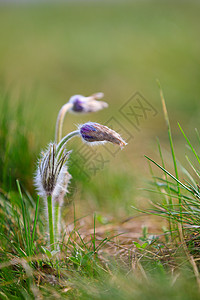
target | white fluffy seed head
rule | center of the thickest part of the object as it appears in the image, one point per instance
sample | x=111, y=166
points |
x=51, y=172
x=62, y=186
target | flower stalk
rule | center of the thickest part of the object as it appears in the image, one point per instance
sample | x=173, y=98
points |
x=60, y=120
x=50, y=219
x=64, y=140
x=57, y=211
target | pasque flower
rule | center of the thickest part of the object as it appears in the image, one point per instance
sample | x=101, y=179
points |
x=78, y=104
x=51, y=170
x=81, y=104
x=52, y=177
x=94, y=132
x=51, y=181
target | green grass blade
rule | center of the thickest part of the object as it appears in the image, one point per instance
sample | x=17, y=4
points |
x=171, y=142
x=169, y=134
x=185, y=172
x=189, y=144
x=159, y=187
x=163, y=165
x=198, y=136
x=35, y=223
x=28, y=225
x=24, y=218
x=172, y=176
x=184, y=197
x=192, y=166
x=153, y=176
x=15, y=232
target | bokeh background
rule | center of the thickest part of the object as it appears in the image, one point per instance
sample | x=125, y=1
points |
x=51, y=51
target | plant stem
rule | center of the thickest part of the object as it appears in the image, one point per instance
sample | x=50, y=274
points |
x=56, y=220
x=66, y=139
x=59, y=122
x=50, y=217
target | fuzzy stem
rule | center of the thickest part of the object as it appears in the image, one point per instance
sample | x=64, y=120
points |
x=50, y=217
x=57, y=211
x=60, y=119
x=66, y=139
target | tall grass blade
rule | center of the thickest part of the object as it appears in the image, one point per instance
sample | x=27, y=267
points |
x=24, y=219
x=34, y=224
x=170, y=202
x=163, y=165
x=171, y=143
x=189, y=144
x=172, y=176
x=192, y=166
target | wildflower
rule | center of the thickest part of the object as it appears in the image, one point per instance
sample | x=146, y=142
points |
x=51, y=170
x=81, y=104
x=94, y=132
x=52, y=177
x=78, y=104
x=51, y=181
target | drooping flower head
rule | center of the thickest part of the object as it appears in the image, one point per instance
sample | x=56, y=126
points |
x=94, y=132
x=82, y=104
x=78, y=104
x=51, y=171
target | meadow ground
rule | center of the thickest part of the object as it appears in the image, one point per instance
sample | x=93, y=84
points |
x=50, y=52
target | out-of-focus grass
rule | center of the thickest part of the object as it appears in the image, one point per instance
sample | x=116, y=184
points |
x=118, y=48
x=50, y=52
x=18, y=144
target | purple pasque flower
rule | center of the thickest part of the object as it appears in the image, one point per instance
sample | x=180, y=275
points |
x=94, y=132
x=82, y=104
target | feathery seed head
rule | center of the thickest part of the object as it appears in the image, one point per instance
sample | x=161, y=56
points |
x=61, y=187
x=81, y=104
x=94, y=132
x=51, y=170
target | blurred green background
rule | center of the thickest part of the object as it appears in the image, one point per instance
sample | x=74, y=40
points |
x=49, y=52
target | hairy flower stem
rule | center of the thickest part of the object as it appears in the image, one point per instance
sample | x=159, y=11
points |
x=57, y=206
x=50, y=217
x=60, y=119
x=66, y=139
x=57, y=210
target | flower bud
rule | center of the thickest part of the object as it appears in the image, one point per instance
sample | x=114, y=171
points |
x=94, y=132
